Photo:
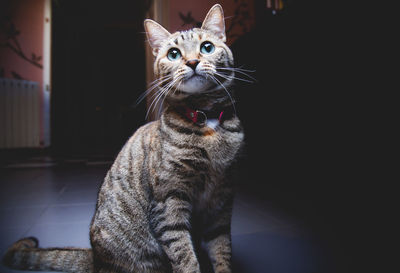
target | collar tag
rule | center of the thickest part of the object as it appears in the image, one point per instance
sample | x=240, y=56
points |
x=201, y=118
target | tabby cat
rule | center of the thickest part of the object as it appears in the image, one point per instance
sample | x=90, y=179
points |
x=167, y=194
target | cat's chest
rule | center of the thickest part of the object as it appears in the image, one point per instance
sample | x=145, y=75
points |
x=205, y=198
x=222, y=148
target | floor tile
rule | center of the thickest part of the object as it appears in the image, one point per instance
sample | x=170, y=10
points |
x=74, y=234
x=88, y=196
x=266, y=252
x=29, y=199
x=20, y=216
x=246, y=219
x=84, y=185
x=10, y=235
x=60, y=214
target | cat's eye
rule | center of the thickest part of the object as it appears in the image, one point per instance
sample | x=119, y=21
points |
x=207, y=47
x=174, y=54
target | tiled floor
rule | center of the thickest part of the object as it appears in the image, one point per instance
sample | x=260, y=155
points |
x=55, y=204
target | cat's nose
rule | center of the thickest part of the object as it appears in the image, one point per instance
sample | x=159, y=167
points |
x=192, y=63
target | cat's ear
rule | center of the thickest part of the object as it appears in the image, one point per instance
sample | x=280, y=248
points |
x=215, y=22
x=156, y=34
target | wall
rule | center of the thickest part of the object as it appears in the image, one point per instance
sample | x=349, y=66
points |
x=22, y=50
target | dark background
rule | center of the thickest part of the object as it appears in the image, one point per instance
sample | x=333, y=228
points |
x=98, y=74
x=311, y=140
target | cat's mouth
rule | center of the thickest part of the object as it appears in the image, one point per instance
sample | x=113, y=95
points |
x=195, y=76
x=194, y=83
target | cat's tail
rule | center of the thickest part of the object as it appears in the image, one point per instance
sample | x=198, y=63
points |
x=25, y=255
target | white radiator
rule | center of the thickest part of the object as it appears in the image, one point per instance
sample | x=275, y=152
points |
x=19, y=114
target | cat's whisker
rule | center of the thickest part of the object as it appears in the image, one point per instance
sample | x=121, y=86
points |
x=154, y=84
x=245, y=74
x=155, y=98
x=230, y=77
x=179, y=80
x=235, y=70
x=177, y=88
x=227, y=92
x=238, y=70
x=164, y=94
x=173, y=87
x=161, y=93
x=154, y=102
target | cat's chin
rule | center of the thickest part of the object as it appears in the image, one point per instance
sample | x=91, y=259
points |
x=195, y=84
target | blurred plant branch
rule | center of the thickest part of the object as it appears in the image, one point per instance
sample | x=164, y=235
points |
x=188, y=19
x=11, y=42
x=239, y=18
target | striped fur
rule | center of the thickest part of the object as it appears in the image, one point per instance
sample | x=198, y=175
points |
x=167, y=192
x=25, y=255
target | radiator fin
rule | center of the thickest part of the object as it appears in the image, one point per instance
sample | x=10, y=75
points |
x=19, y=114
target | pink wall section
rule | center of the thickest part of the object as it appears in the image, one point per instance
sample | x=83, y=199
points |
x=28, y=18
x=199, y=10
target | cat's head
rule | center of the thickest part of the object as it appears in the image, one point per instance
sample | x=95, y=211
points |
x=192, y=61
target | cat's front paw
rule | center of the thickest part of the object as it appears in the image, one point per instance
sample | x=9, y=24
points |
x=223, y=271
x=222, y=268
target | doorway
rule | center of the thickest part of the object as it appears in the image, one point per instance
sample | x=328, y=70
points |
x=98, y=72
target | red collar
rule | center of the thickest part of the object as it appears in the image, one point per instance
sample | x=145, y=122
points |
x=201, y=116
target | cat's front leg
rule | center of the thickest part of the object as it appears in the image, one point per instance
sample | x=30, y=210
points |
x=217, y=239
x=170, y=220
